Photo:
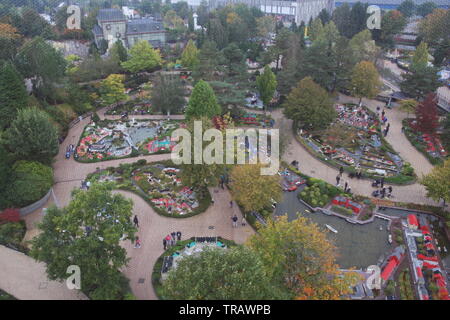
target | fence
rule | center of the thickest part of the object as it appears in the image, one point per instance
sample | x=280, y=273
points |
x=34, y=206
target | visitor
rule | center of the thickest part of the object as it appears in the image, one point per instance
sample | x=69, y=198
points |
x=234, y=219
x=349, y=190
x=231, y=204
x=136, y=221
x=137, y=244
x=390, y=191
x=341, y=171
x=165, y=244
x=383, y=113
x=383, y=192
x=212, y=200
x=338, y=178
x=173, y=239
x=243, y=222
x=345, y=186
x=382, y=182
x=88, y=184
x=179, y=235
x=168, y=238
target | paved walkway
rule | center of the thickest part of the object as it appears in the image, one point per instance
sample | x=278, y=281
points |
x=25, y=276
x=316, y=168
x=68, y=174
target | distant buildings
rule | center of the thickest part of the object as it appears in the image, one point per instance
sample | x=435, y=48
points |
x=393, y=4
x=113, y=25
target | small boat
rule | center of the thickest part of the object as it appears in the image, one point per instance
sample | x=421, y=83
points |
x=390, y=238
x=331, y=228
x=307, y=211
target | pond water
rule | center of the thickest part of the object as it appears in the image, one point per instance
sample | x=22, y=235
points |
x=358, y=245
x=140, y=134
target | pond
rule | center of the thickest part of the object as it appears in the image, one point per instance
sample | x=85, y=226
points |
x=358, y=245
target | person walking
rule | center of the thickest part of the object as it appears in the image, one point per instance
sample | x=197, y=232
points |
x=137, y=243
x=345, y=186
x=389, y=191
x=165, y=244
x=341, y=171
x=383, y=113
x=168, y=238
x=173, y=239
x=338, y=178
x=231, y=204
x=382, y=182
x=136, y=221
x=234, y=219
x=179, y=235
x=243, y=222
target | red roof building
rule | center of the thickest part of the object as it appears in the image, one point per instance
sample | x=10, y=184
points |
x=389, y=269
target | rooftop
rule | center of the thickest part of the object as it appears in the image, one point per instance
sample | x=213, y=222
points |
x=110, y=15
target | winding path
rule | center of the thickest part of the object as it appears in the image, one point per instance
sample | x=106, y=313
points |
x=27, y=277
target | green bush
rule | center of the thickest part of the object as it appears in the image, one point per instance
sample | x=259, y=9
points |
x=32, y=181
x=12, y=233
x=342, y=210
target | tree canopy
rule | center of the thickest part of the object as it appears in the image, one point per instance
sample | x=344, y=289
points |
x=203, y=102
x=437, y=182
x=142, y=57
x=365, y=80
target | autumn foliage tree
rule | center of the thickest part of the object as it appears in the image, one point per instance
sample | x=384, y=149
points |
x=426, y=115
x=365, y=80
x=252, y=190
x=437, y=182
x=298, y=255
x=113, y=89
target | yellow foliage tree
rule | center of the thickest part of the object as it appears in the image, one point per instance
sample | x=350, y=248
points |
x=298, y=255
x=365, y=80
x=113, y=89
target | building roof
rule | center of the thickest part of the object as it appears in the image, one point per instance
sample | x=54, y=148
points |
x=98, y=32
x=390, y=267
x=144, y=25
x=412, y=220
x=105, y=15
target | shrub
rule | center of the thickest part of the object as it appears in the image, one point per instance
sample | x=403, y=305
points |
x=12, y=233
x=32, y=181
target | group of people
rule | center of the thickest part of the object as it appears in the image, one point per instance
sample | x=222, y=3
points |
x=235, y=219
x=171, y=239
x=85, y=185
x=383, y=120
x=383, y=192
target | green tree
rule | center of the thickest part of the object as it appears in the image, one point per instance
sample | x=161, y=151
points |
x=446, y=132
x=32, y=136
x=142, y=58
x=6, y=178
x=341, y=17
x=407, y=7
x=420, y=82
x=119, y=52
x=88, y=233
x=252, y=190
x=167, y=94
x=207, y=61
x=298, y=256
x=216, y=32
x=265, y=25
x=420, y=57
x=42, y=63
x=310, y=105
x=437, y=182
x=266, y=84
x=365, y=80
x=112, y=89
x=32, y=180
x=316, y=29
x=408, y=106
x=13, y=95
x=426, y=8
x=358, y=18
x=189, y=57
x=392, y=23
x=363, y=47
x=203, y=102
x=230, y=274
x=234, y=59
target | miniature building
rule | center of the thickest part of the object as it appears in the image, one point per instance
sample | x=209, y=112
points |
x=412, y=222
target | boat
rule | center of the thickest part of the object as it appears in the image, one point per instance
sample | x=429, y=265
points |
x=307, y=211
x=331, y=228
x=390, y=238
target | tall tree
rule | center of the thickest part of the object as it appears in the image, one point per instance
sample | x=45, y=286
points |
x=427, y=115
x=216, y=32
x=203, y=102
x=208, y=61
x=266, y=84
x=88, y=233
x=437, y=182
x=142, y=58
x=365, y=80
x=407, y=8
x=228, y=274
x=408, y=106
x=420, y=57
x=32, y=136
x=167, y=94
x=10, y=40
x=234, y=59
x=265, y=26
x=426, y=8
x=341, y=17
x=252, y=190
x=13, y=95
x=119, y=52
x=316, y=29
x=112, y=89
x=420, y=82
x=189, y=57
x=324, y=16
x=300, y=257
x=363, y=47
x=358, y=18
x=310, y=105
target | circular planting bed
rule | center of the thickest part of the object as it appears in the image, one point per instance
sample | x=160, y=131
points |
x=160, y=185
x=355, y=142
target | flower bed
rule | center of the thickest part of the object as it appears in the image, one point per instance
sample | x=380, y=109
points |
x=114, y=139
x=429, y=145
x=159, y=184
x=134, y=107
x=354, y=142
x=254, y=119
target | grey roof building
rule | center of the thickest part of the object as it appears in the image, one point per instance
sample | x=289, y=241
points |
x=112, y=25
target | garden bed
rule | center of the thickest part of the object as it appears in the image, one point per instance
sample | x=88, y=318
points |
x=160, y=185
x=430, y=146
x=354, y=142
x=116, y=139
